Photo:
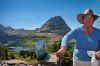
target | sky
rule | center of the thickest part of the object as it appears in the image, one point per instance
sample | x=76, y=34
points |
x=32, y=14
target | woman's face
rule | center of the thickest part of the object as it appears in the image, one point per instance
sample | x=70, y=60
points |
x=88, y=21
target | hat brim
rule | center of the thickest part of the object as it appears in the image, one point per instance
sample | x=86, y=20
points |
x=80, y=17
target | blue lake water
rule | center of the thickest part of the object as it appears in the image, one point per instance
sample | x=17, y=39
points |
x=21, y=48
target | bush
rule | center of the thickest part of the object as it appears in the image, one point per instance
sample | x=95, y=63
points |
x=11, y=56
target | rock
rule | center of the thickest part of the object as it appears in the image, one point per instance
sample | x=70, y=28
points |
x=14, y=63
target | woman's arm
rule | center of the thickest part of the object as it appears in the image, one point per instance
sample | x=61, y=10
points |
x=98, y=54
x=72, y=34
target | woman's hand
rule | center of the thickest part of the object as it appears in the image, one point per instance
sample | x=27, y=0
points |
x=98, y=54
x=60, y=53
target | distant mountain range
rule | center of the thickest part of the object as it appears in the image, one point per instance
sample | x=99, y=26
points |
x=55, y=25
x=12, y=31
x=5, y=37
x=11, y=34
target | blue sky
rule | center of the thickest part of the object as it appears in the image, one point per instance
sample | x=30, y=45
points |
x=31, y=14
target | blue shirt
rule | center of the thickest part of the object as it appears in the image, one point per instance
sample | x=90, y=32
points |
x=83, y=42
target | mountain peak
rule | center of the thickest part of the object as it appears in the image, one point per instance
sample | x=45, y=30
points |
x=55, y=24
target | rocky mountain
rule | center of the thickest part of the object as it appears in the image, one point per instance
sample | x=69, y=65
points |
x=55, y=25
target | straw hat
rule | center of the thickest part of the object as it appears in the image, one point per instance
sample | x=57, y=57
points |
x=87, y=11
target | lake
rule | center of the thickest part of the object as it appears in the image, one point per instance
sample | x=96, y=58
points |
x=21, y=48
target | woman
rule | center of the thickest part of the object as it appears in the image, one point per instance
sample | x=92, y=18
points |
x=87, y=38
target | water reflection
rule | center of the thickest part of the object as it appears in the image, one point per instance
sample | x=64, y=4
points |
x=40, y=49
x=40, y=44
